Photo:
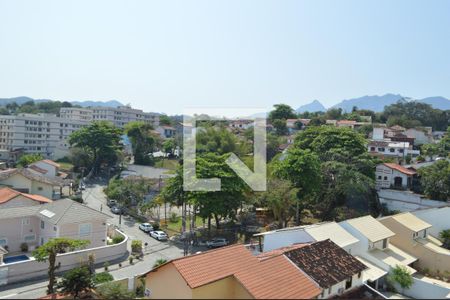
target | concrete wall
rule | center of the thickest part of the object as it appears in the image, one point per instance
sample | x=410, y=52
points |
x=167, y=283
x=28, y=270
x=18, y=181
x=438, y=217
x=422, y=289
x=406, y=201
x=97, y=237
x=327, y=293
x=226, y=288
x=15, y=231
x=286, y=238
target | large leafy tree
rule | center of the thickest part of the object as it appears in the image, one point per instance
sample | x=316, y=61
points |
x=302, y=168
x=28, y=159
x=101, y=140
x=435, y=180
x=76, y=281
x=143, y=141
x=50, y=250
x=282, y=111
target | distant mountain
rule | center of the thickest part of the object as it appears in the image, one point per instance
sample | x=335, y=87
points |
x=111, y=103
x=375, y=103
x=437, y=102
x=21, y=100
x=311, y=107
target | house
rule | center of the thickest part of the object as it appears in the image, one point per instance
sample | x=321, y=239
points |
x=421, y=136
x=166, y=131
x=33, y=220
x=412, y=235
x=391, y=149
x=330, y=266
x=347, y=123
x=46, y=166
x=241, y=124
x=374, y=248
x=437, y=217
x=307, y=234
x=391, y=175
x=231, y=272
x=29, y=181
x=294, y=125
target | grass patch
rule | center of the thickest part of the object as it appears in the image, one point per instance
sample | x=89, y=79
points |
x=65, y=166
x=171, y=164
x=175, y=227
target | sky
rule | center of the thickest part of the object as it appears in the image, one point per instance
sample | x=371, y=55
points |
x=165, y=56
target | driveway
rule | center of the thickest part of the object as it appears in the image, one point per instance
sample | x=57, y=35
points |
x=150, y=172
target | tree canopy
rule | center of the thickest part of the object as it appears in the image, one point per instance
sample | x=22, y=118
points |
x=143, y=141
x=435, y=180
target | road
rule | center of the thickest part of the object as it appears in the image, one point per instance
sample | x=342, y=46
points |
x=94, y=197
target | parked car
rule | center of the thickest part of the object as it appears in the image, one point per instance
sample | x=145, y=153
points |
x=146, y=227
x=82, y=186
x=216, y=243
x=116, y=210
x=159, y=235
x=111, y=203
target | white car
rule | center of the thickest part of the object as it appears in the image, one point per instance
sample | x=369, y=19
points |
x=159, y=235
x=216, y=243
x=146, y=227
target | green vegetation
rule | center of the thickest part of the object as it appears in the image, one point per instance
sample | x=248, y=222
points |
x=170, y=164
x=159, y=262
x=76, y=281
x=136, y=246
x=28, y=159
x=50, y=250
x=103, y=277
x=401, y=276
x=100, y=142
x=30, y=107
x=130, y=191
x=114, y=291
x=435, y=180
x=143, y=142
x=445, y=237
x=118, y=239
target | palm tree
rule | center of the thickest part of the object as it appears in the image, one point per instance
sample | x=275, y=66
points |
x=445, y=236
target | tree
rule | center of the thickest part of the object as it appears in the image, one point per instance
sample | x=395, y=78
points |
x=168, y=145
x=280, y=126
x=143, y=141
x=302, y=168
x=282, y=112
x=50, y=250
x=165, y=120
x=281, y=199
x=103, y=277
x=435, y=180
x=401, y=275
x=28, y=159
x=114, y=291
x=101, y=139
x=76, y=281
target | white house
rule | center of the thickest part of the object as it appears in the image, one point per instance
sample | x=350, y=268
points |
x=390, y=175
x=390, y=148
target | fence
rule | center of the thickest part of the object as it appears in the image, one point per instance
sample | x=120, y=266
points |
x=406, y=201
x=27, y=270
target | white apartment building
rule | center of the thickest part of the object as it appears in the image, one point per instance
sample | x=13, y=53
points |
x=44, y=134
x=119, y=116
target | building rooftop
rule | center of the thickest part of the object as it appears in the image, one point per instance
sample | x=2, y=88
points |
x=400, y=168
x=8, y=194
x=275, y=277
x=332, y=231
x=371, y=228
x=325, y=262
x=393, y=256
x=54, y=180
x=411, y=222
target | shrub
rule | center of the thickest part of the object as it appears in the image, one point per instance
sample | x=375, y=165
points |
x=159, y=262
x=77, y=198
x=136, y=246
x=130, y=259
x=173, y=218
x=24, y=247
x=401, y=276
x=118, y=239
x=103, y=277
x=445, y=237
x=106, y=265
x=156, y=226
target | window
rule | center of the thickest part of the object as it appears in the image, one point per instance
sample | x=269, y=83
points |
x=42, y=225
x=55, y=228
x=425, y=233
x=40, y=188
x=385, y=177
x=372, y=148
x=392, y=150
x=29, y=238
x=384, y=243
x=379, y=177
x=3, y=242
x=26, y=221
x=85, y=229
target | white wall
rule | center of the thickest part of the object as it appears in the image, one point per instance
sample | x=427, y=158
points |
x=406, y=201
x=438, y=217
x=424, y=290
x=286, y=238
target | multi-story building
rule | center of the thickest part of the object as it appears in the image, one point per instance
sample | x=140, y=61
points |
x=119, y=116
x=44, y=134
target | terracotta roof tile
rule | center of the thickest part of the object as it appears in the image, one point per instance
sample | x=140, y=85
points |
x=274, y=277
x=7, y=194
x=401, y=169
x=325, y=262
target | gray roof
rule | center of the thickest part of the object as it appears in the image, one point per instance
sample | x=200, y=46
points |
x=53, y=180
x=67, y=211
x=64, y=211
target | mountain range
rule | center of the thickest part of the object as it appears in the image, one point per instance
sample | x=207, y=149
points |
x=23, y=99
x=375, y=103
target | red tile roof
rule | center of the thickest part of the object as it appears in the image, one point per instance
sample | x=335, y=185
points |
x=7, y=194
x=274, y=277
x=51, y=162
x=325, y=262
x=401, y=169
